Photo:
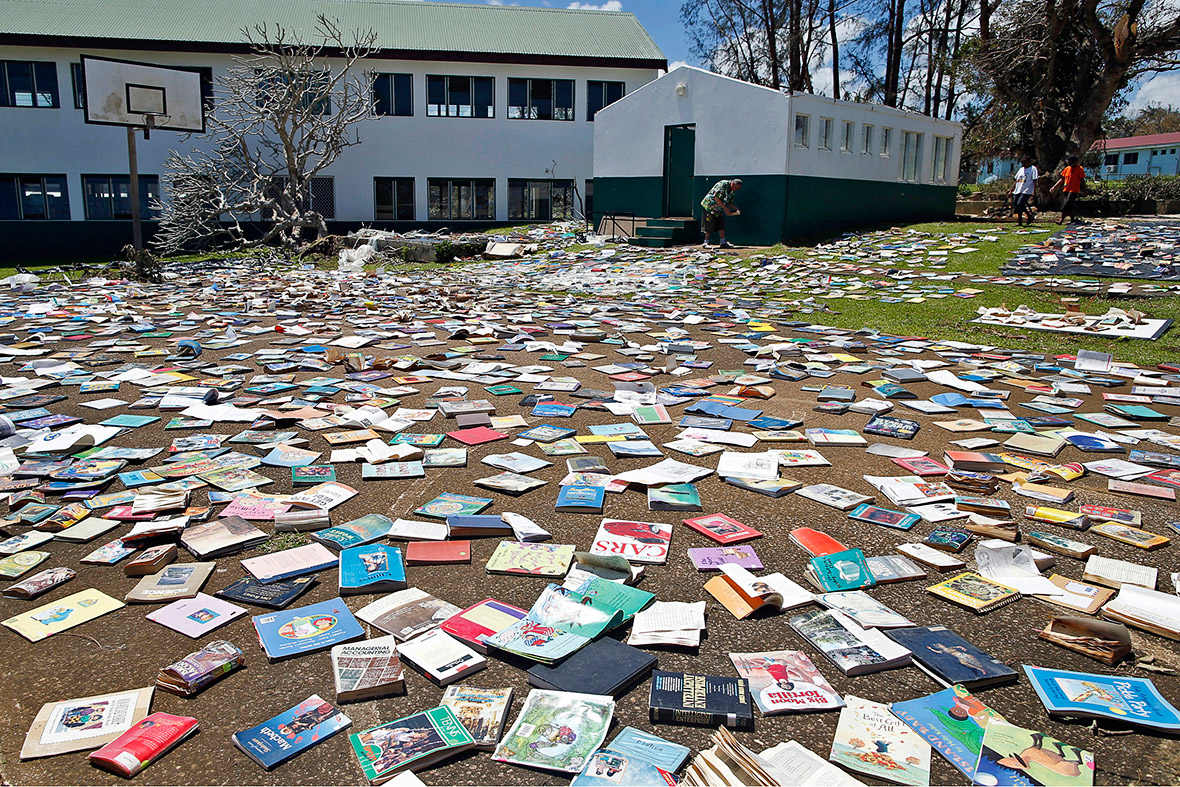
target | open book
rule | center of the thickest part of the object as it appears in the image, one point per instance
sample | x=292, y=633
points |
x=742, y=593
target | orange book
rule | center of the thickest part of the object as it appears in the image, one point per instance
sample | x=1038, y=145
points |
x=422, y=552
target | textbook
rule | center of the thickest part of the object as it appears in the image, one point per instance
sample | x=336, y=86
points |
x=366, y=529
x=149, y=739
x=371, y=568
x=854, y=650
x=367, y=669
x=639, y=542
x=976, y=593
x=952, y=721
x=435, y=734
x=407, y=613
x=1092, y=696
x=949, y=659
x=292, y=732
x=289, y=563
x=785, y=681
x=580, y=499
x=481, y=711
x=309, y=629
x=84, y=723
x=703, y=700
x=871, y=740
x=441, y=658
x=180, y=580
x=722, y=529
x=652, y=748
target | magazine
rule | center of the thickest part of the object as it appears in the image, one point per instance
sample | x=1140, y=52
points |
x=785, y=681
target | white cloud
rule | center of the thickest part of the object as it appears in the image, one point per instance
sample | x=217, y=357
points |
x=1160, y=90
x=675, y=64
x=609, y=5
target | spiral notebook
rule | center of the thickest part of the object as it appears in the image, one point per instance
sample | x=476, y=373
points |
x=976, y=593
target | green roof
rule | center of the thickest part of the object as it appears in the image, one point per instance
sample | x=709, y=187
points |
x=496, y=32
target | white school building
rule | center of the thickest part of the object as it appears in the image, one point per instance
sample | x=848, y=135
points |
x=483, y=115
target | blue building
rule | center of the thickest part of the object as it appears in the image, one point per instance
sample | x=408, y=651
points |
x=1151, y=154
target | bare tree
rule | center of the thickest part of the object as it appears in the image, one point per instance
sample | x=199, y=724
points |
x=283, y=114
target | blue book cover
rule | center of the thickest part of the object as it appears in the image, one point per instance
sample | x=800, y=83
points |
x=374, y=568
x=294, y=730
x=611, y=768
x=576, y=497
x=952, y=659
x=656, y=750
x=471, y=524
x=841, y=571
x=553, y=410
x=294, y=632
x=1132, y=700
x=617, y=429
x=952, y=722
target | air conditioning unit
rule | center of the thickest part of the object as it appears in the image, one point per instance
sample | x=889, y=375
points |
x=1112, y=168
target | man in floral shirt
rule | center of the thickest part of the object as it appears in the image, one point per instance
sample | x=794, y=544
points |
x=718, y=204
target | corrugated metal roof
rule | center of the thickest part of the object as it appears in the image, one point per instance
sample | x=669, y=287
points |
x=1144, y=141
x=400, y=25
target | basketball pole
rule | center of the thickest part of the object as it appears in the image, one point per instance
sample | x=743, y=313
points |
x=133, y=165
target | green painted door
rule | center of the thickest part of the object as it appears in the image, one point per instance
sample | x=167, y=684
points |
x=680, y=147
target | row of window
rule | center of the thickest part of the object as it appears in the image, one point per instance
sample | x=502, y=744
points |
x=1112, y=159
x=46, y=197
x=42, y=197
x=911, y=145
x=34, y=84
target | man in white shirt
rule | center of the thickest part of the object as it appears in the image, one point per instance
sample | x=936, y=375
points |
x=1024, y=191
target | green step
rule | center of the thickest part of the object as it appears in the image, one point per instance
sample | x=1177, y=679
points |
x=674, y=223
x=654, y=243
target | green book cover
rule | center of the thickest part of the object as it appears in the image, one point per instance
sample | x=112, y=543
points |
x=312, y=474
x=840, y=571
x=395, y=746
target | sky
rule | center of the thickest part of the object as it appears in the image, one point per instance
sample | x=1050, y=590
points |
x=661, y=19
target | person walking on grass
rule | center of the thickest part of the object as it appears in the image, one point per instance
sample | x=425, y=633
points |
x=1073, y=181
x=718, y=204
x=1024, y=191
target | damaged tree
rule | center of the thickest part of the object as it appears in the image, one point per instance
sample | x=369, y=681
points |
x=284, y=113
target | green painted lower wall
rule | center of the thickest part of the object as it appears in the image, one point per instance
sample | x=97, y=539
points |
x=779, y=207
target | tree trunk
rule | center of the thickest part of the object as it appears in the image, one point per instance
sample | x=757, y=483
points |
x=835, y=49
x=893, y=52
x=770, y=26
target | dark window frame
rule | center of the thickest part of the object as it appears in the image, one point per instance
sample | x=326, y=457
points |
x=451, y=184
x=146, y=212
x=10, y=186
x=533, y=107
x=1131, y=158
x=598, y=95
x=394, y=92
x=474, y=85
x=396, y=205
x=527, y=185
x=39, y=70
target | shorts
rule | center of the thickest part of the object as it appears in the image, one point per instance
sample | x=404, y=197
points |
x=1067, y=202
x=1022, y=203
x=714, y=222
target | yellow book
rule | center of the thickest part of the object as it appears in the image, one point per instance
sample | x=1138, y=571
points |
x=1134, y=536
x=57, y=616
x=592, y=439
x=975, y=592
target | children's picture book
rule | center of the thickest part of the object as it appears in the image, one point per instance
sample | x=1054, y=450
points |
x=557, y=730
x=871, y=740
x=409, y=743
x=481, y=711
x=533, y=558
x=315, y=627
x=197, y=616
x=367, y=669
x=450, y=504
x=722, y=529
x=661, y=752
x=639, y=542
x=292, y=732
x=952, y=721
x=62, y=614
x=949, y=659
x=1091, y=696
x=84, y=723
x=976, y=593
x=712, y=558
x=884, y=516
x=607, y=768
x=1017, y=757
x=21, y=563
x=785, y=681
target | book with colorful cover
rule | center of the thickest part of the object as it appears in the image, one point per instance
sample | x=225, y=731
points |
x=712, y=558
x=1089, y=695
x=1012, y=756
x=363, y=530
x=531, y=558
x=151, y=738
x=475, y=624
x=840, y=571
x=292, y=732
x=884, y=516
x=722, y=529
x=557, y=730
x=976, y=593
x=871, y=740
x=409, y=743
x=608, y=768
x=84, y=723
x=663, y=753
x=451, y=504
x=639, y=542
x=950, y=659
x=785, y=681
x=65, y=613
x=952, y=721
x=371, y=568
x=482, y=711
x=315, y=627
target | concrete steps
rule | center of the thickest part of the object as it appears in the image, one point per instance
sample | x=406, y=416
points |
x=667, y=232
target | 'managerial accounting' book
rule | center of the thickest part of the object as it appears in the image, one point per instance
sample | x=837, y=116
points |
x=368, y=669
x=292, y=732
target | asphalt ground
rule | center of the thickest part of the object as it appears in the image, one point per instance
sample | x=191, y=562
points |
x=122, y=650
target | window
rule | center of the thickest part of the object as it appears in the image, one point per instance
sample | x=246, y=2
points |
x=540, y=200
x=942, y=154
x=393, y=94
x=1131, y=158
x=911, y=156
x=34, y=197
x=273, y=90
x=1172, y=152
x=887, y=142
x=460, y=97
x=541, y=99
x=825, y=133
x=802, y=130
x=109, y=196
x=394, y=199
x=601, y=94
x=866, y=140
x=320, y=195
x=1110, y=159
x=847, y=136
x=461, y=199
x=79, y=85
x=28, y=84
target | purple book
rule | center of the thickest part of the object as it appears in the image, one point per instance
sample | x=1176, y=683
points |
x=711, y=558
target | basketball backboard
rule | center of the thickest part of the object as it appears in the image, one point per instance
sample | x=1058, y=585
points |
x=126, y=93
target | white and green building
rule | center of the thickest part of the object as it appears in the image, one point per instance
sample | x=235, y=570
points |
x=808, y=164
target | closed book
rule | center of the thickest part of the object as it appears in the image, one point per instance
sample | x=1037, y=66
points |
x=840, y=571
x=816, y=543
x=382, y=752
x=441, y=658
x=143, y=744
x=605, y=666
x=371, y=568
x=309, y=629
x=289, y=563
x=150, y=560
x=481, y=711
x=722, y=529
x=183, y=580
x=976, y=593
x=292, y=732
x=704, y=700
x=200, y=668
x=367, y=669
x=478, y=526
x=420, y=553
x=475, y=624
x=273, y=595
x=950, y=659
x=577, y=498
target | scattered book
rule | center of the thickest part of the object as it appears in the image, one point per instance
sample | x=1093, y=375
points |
x=292, y=732
x=722, y=529
x=949, y=659
x=605, y=666
x=702, y=700
x=84, y=723
x=147, y=741
x=482, y=712
x=440, y=657
x=309, y=629
x=371, y=568
x=382, y=751
x=871, y=740
x=976, y=593
x=197, y=616
x=785, y=681
x=854, y=650
x=1009, y=753
x=273, y=595
x=952, y=721
x=182, y=580
x=200, y=668
x=367, y=670
x=1087, y=695
x=556, y=731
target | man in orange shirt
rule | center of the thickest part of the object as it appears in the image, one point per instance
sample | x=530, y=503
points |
x=1073, y=178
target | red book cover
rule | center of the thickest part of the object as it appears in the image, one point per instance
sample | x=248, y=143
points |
x=722, y=529
x=422, y=552
x=480, y=621
x=815, y=542
x=135, y=749
x=922, y=466
x=477, y=435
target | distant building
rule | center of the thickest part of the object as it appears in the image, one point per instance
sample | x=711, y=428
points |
x=999, y=167
x=482, y=115
x=1150, y=154
x=808, y=164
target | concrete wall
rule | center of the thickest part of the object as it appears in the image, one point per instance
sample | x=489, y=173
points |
x=58, y=141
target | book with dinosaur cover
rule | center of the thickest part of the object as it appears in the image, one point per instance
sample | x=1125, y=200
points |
x=871, y=740
x=292, y=732
x=409, y=743
x=704, y=700
x=84, y=723
x=481, y=711
x=785, y=681
x=368, y=669
x=952, y=721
